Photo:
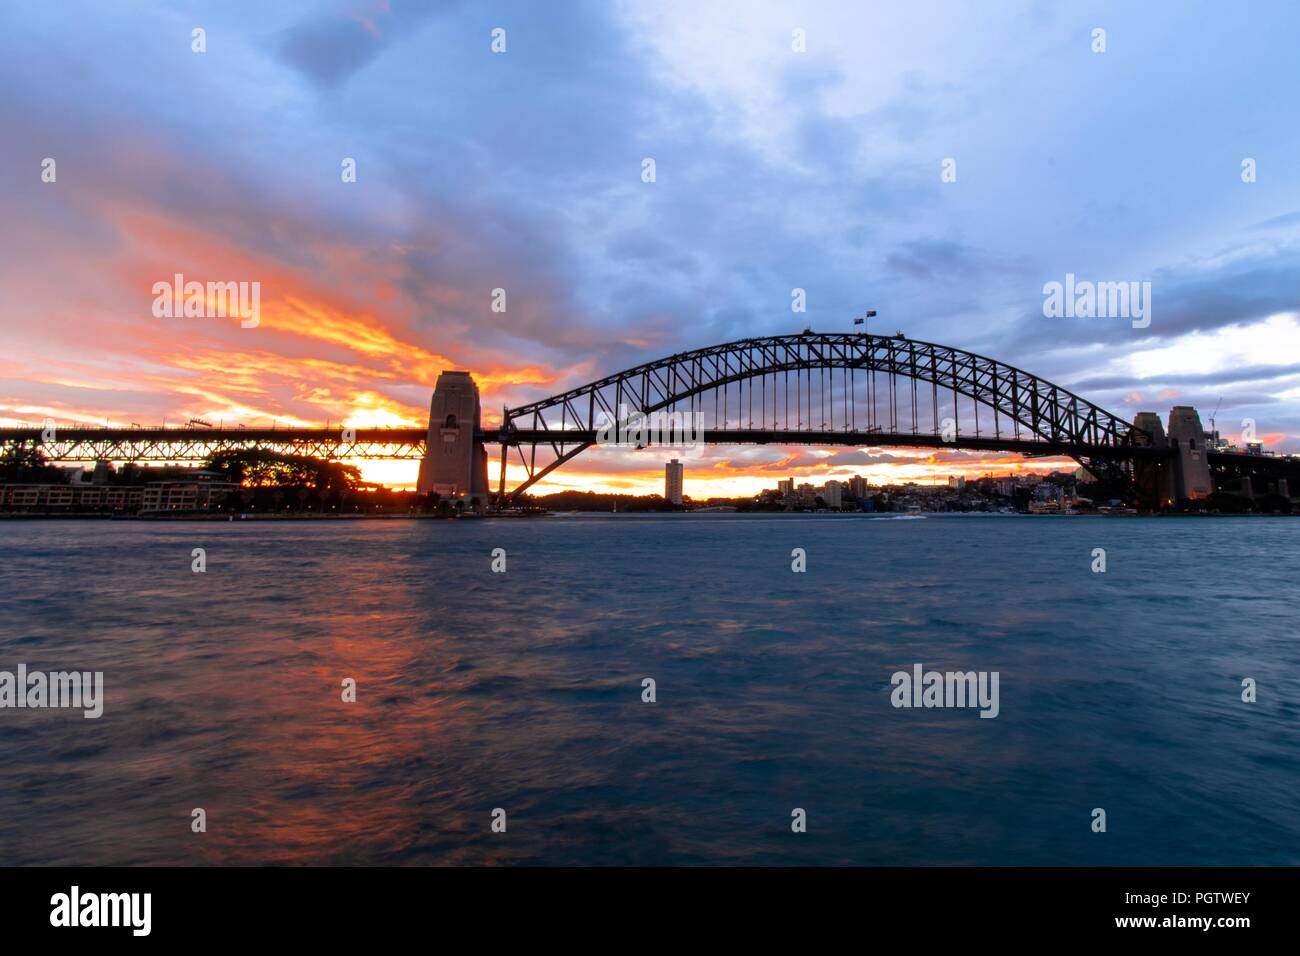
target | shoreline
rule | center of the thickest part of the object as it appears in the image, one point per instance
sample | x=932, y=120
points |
x=241, y=518
x=227, y=518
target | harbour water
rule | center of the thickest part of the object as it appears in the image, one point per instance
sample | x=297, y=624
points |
x=523, y=691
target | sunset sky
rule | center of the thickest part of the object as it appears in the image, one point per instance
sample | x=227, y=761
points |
x=522, y=170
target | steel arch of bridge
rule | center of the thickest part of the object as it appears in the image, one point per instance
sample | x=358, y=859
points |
x=1057, y=420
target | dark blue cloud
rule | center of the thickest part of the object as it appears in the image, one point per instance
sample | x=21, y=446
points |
x=334, y=42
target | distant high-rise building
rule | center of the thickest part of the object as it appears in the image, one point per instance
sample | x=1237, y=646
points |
x=832, y=494
x=956, y=481
x=785, y=486
x=674, y=471
x=858, y=487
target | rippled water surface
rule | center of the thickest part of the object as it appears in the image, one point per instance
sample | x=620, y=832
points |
x=522, y=691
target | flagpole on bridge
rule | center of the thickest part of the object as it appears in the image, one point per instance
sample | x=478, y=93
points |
x=862, y=319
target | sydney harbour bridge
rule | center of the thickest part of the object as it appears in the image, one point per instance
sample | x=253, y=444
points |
x=825, y=389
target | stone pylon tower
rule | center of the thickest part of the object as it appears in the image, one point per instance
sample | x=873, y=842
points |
x=1185, y=476
x=455, y=461
x=1154, y=479
x=1192, y=463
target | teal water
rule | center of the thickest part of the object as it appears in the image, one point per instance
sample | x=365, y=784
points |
x=522, y=691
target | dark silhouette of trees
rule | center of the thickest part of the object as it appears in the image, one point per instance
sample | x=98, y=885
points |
x=20, y=463
x=261, y=468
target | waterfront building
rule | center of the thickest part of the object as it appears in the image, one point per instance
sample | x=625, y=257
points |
x=196, y=494
x=184, y=495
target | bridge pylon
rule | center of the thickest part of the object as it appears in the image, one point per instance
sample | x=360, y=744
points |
x=1183, y=475
x=455, y=461
x=1152, y=479
x=1191, y=464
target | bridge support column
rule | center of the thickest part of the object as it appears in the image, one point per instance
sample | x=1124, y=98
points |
x=455, y=461
x=501, y=485
x=1153, y=478
x=1192, y=461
